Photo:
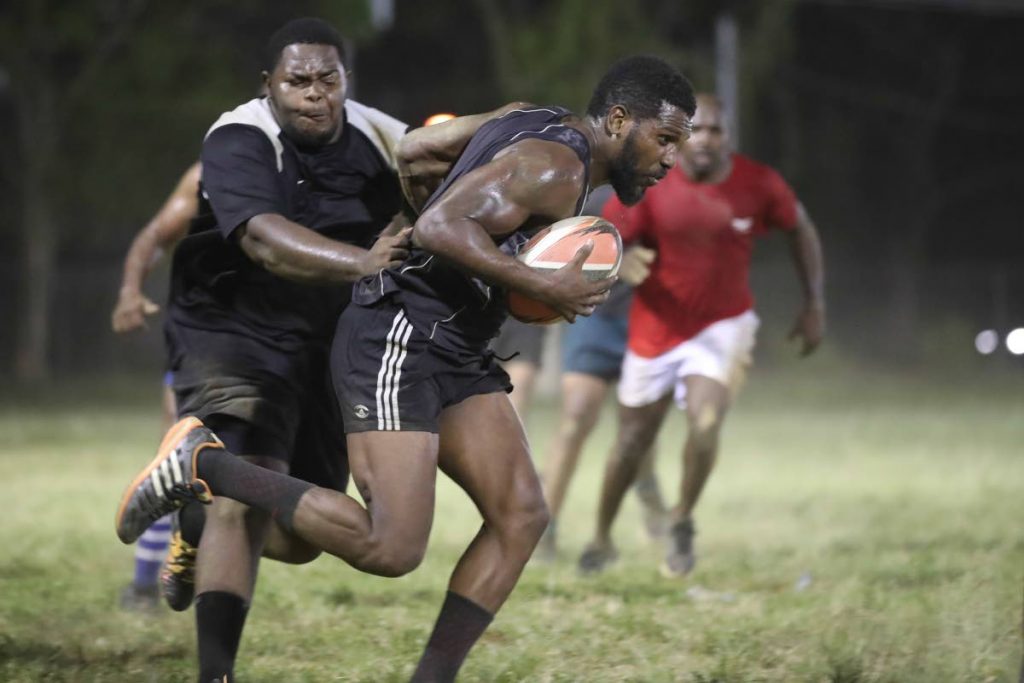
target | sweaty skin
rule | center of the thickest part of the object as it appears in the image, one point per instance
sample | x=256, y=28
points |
x=306, y=92
x=536, y=182
x=533, y=182
x=425, y=155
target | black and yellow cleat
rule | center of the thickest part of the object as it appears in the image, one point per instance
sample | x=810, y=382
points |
x=178, y=574
x=168, y=482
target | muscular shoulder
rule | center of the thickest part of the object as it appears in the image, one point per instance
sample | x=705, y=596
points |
x=550, y=171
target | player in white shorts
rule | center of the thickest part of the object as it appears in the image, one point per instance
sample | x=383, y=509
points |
x=692, y=324
x=721, y=352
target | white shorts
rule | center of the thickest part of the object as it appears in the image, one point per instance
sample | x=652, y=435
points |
x=721, y=351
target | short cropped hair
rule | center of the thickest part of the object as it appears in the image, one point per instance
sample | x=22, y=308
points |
x=305, y=31
x=641, y=84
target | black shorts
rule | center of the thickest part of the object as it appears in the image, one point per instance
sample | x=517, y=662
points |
x=390, y=376
x=261, y=401
x=524, y=342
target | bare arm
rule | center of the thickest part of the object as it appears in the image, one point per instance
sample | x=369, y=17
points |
x=297, y=253
x=805, y=246
x=164, y=230
x=425, y=155
x=532, y=181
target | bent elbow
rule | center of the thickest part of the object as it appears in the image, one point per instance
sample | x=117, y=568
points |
x=261, y=253
x=428, y=234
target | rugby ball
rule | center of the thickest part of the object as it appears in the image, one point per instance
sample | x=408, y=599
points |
x=553, y=247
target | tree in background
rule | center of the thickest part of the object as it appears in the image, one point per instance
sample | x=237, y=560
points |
x=555, y=52
x=109, y=101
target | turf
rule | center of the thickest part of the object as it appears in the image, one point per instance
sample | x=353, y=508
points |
x=862, y=527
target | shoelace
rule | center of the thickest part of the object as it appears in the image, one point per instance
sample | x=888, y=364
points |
x=181, y=494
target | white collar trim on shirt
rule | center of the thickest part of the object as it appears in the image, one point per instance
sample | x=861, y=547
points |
x=382, y=130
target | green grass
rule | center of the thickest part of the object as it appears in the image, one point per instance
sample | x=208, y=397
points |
x=900, y=498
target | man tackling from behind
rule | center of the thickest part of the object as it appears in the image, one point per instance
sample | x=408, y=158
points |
x=416, y=384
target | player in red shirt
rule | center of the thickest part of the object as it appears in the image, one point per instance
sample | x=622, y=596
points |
x=692, y=324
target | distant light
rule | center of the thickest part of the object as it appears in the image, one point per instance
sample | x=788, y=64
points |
x=986, y=342
x=1015, y=341
x=438, y=118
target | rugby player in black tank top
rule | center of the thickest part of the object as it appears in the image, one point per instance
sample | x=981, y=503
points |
x=414, y=401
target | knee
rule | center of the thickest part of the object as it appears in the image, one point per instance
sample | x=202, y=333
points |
x=577, y=420
x=394, y=557
x=527, y=520
x=632, y=443
x=704, y=425
x=571, y=427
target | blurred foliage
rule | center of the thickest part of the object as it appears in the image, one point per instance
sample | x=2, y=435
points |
x=557, y=52
x=134, y=85
x=897, y=126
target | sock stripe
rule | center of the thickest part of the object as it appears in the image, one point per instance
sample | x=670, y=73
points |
x=154, y=555
x=154, y=543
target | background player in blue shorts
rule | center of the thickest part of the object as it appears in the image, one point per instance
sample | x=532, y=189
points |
x=592, y=351
x=520, y=348
x=416, y=383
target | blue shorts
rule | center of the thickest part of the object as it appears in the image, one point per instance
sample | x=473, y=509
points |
x=595, y=346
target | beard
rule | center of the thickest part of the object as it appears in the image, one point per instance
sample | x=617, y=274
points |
x=622, y=174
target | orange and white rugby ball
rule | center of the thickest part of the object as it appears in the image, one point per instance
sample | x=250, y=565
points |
x=555, y=246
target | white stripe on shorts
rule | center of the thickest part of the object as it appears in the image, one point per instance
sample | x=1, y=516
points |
x=390, y=372
x=398, y=375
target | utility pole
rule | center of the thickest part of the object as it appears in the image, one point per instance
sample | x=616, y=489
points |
x=727, y=62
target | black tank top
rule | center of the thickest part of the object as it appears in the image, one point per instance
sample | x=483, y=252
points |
x=456, y=310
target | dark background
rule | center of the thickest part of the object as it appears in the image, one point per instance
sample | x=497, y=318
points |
x=898, y=123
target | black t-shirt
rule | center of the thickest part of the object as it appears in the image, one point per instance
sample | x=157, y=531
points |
x=455, y=309
x=347, y=190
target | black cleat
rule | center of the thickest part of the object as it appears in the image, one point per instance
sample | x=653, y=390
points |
x=596, y=558
x=168, y=482
x=140, y=598
x=680, y=558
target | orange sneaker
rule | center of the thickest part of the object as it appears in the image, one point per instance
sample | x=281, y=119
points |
x=168, y=482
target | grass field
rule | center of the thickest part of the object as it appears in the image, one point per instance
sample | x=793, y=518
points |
x=861, y=528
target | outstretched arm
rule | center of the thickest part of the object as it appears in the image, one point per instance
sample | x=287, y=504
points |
x=163, y=231
x=425, y=155
x=805, y=246
x=532, y=182
x=295, y=252
x=292, y=251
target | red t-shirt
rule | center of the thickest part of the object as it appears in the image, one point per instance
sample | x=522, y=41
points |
x=704, y=236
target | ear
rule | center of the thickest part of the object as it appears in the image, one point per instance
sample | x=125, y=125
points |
x=345, y=76
x=265, y=76
x=617, y=120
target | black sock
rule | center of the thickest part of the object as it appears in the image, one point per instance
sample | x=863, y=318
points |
x=220, y=618
x=258, y=487
x=191, y=520
x=459, y=625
